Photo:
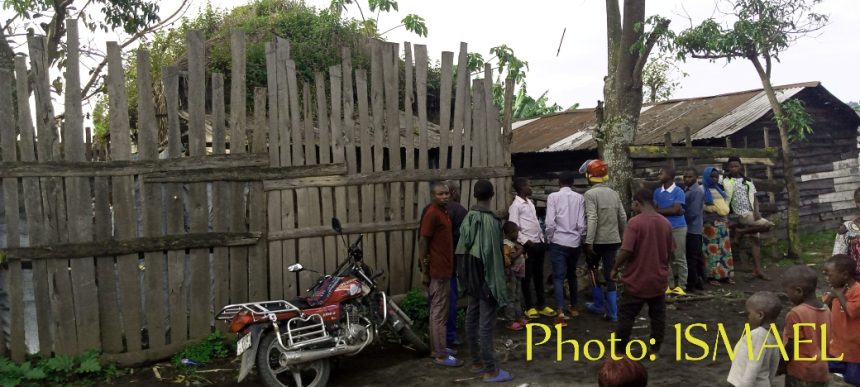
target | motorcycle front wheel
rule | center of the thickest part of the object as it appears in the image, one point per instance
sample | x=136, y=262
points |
x=311, y=374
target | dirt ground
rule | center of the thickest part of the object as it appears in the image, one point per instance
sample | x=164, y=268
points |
x=389, y=364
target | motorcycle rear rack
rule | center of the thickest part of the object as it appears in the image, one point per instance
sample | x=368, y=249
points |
x=258, y=310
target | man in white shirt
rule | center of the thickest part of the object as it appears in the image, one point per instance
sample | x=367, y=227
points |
x=523, y=213
x=565, y=229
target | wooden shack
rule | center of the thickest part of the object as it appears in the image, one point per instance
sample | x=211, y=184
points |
x=826, y=162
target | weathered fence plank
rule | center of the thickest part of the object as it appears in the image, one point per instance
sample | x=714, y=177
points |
x=409, y=187
x=338, y=146
x=14, y=279
x=221, y=262
x=353, y=210
x=257, y=259
x=367, y=190
x=326, y=193
x=122, y=191
x=273, y=199
x=199, y=307
x=396, y=284
x=238, y=139
x=377, y=92
x=177, y=288
x=354, y=228
x=421, y=97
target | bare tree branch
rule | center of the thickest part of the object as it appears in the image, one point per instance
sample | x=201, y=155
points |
x=94, y=77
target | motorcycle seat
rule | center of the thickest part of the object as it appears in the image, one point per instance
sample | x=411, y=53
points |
x=300, y=302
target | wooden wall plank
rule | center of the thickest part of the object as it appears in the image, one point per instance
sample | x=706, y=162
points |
x=199, y=308
x=53, y=199
x=257, y=254
x=177, y=288
x=14, y=279
x=316, y=256
x=301, y=156
x=466, y=185
x=421, y=98
x=154, y=262
x=123, y=201
x=396, y=283
x=80, y=217
x=276, y=77
x=287, y=207
x=238, y=143
x=445, y=107
x=460, y=107
x=411, y=269
x=338, y=146
x=354, y=208
x=367, y=190
x=377, y=85
x=326, y=193
x=223, y=268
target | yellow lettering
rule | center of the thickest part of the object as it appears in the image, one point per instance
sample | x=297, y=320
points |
x=529, y=336
x=688, y=336
x=559, y=355
x=775, y=333
x=612, y=341
x=642, y=345
x=599, y=346
x=721, y=333
x=678, y=342
x=797, y=341
x=825, y=354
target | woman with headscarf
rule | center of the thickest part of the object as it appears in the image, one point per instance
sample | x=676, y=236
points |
x=716, y=246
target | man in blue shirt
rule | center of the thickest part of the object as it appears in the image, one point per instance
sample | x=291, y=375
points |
x=693, y=215
x=670, y=201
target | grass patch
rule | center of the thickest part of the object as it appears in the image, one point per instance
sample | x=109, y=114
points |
x=57, y=370
x=415, y=306
x=815, y=247
x=212, y=347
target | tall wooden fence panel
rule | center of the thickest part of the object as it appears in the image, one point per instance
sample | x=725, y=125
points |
x=131, y=248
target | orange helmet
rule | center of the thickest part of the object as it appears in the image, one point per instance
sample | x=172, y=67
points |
x=596, y=170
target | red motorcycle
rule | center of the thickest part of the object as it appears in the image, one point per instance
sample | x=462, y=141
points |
x=293, y=342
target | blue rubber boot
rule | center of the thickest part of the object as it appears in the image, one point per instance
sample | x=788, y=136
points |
x=596, y=307
x=612, y=306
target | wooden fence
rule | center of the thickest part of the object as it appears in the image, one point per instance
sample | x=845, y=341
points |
x=134, y=255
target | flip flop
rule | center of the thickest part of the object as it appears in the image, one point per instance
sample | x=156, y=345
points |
x=501, y=376
x=449, y=361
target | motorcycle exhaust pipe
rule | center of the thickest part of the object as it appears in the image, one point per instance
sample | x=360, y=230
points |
x=297, y=357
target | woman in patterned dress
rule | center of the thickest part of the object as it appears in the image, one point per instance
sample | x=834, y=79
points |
x=848, y=237
x=716, y=246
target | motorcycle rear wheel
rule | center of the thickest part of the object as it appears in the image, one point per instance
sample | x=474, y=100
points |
x=311, y=374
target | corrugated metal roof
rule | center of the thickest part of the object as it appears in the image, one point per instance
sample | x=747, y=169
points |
x=707, y=117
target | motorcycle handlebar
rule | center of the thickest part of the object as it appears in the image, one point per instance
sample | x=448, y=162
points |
x=379, y=274
x=357, y=242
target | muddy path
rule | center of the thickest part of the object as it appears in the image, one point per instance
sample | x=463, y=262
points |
x=388, y=364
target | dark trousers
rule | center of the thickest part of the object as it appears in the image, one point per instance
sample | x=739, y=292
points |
x=451, y=325
x=604, y=254
x=534, y=275
x=629, y=307
x=480, y=327
x=564, y=260
x=695, y=262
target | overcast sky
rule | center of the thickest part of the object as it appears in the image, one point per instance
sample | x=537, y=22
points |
x=534, y=28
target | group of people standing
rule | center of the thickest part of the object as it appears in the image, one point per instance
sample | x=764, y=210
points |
x=678, y=240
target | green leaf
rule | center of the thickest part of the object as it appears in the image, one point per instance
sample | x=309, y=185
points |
x=89, y=365
x=415, y=24
x=60, y=363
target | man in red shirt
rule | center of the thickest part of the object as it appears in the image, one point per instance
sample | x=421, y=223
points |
x=436, y=252
x=644, y=258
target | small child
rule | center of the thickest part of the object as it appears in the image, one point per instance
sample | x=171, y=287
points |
x=515, y=271
x=759, y=371
x=622, y=373
x=848, y=237
x=844, y=302
x=799, y=283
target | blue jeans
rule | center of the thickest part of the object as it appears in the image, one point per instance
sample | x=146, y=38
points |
x=451, y=326
x=564, y=260
x=850, y=371
x=480, y=329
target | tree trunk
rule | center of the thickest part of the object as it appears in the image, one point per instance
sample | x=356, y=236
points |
x=623, y=98
x=794, y=245
x=7, y=56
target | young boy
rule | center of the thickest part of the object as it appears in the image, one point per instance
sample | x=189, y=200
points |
x=759, y=371
x=799, y=283
x=669, y=201
x=844, y=302
x=644, y=255
x=481, y=275
x=515, y=271
x=565, y=228
x=749, y=223
x=522, y=212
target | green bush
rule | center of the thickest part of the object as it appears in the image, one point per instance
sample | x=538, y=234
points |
x=415, y=306
x=212, y=347
x=60, y=369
